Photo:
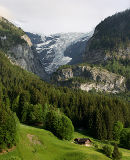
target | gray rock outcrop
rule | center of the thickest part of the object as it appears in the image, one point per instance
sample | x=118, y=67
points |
x=91, y=78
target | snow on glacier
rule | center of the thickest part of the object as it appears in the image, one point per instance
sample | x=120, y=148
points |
x=61, y=42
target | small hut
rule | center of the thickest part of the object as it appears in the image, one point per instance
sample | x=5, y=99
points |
x=83, y=141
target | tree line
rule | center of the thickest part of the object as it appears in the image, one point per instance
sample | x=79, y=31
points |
x=27, y=95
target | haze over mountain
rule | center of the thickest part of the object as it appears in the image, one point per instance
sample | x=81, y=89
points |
x=56, y=16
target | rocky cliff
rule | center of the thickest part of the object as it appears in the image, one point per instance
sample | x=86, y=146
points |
x=18, y=48
x=88, y=78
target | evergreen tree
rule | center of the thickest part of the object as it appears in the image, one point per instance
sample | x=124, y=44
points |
x=125, y=138
x=8, y=128
x=118, y=127
x=59, y=125
x=116, y=155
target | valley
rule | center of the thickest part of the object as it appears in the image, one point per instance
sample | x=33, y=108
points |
x=58, y=87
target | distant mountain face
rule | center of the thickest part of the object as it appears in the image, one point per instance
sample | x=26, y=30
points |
x=111, y=39
x=18, y=48
x=106, y=56
x=59, y=49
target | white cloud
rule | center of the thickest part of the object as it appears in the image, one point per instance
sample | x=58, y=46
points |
x=50, y=16
x=4, y=12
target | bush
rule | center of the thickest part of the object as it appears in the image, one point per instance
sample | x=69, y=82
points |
x=59, y=124
x=0, y=149
x=14, y=158
x=8, y=128
x=107, y=150
x=116, y=155
x=96, y=145
x=125, y=138
x=118, y=126
x=67, y=128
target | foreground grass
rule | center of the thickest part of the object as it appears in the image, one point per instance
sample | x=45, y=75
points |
x=45, y=146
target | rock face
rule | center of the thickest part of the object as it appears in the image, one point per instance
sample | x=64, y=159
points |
x=98, y=56
x=23, y=56
x=27, y=39
x=88, y=78
x=18, y=48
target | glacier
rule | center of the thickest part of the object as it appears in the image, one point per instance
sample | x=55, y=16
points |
x=51, y=48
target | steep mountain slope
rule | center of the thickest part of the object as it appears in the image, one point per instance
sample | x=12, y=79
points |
x=59, y=49
x=111, y=39
x=17, y=46
x=107, y=50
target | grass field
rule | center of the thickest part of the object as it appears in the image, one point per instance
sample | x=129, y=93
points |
x=39, y=144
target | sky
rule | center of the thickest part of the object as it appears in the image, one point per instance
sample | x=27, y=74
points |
x=56, y=16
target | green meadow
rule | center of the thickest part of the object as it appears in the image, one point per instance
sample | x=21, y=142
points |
x=39, y=144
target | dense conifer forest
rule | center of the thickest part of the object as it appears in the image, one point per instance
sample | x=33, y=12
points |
x=112, y=33
x=27, y=95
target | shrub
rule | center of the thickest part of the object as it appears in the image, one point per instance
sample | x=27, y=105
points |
x=67, y=128
x=125, y=138
x=118, y=126
x=8, y=128
x=107, y=150
x=116, y=155
x=96, y=145
x=14, y=158
x=0, y=149
x=59, y=124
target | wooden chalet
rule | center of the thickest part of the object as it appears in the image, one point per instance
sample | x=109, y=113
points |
x=83, y=141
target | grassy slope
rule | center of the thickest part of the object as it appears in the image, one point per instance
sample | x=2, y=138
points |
x=52, y=148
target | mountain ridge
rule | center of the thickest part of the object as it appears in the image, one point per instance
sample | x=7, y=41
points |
x=18, y=48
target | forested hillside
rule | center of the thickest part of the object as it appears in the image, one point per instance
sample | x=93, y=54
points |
x=10, y=35
x=112, y=33
x=23, y=92
x=111, y=38
x=109, y=49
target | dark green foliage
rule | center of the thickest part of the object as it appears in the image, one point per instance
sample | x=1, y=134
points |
x=44, y=114
x=12, y=33
x=36, y=114
x=112, y=33
x=25, y=91
x=67, y=128
x=59, y=124
x=14, y=158
x=8, y=128
x=118, y=127
x=116, y=155
x=107, y=150
x=125, y=138
x=32, y=114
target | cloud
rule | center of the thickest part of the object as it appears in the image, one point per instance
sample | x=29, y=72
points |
x=4, y=12
x=51, y=16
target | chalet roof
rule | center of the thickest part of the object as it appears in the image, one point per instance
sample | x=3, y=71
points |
x=82, y=139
